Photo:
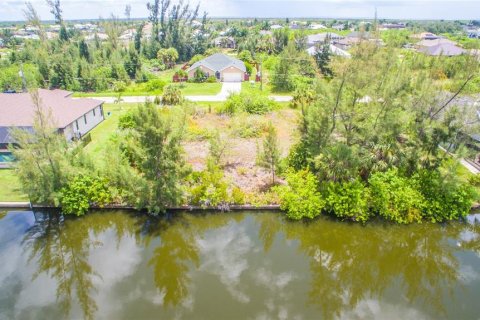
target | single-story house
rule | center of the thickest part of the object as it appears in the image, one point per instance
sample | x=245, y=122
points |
x=390, y=26
x=338, y=27
x=333, y=50
x=442, y=49
x=316, y=26
x=435, y=42
x=72, y=117
x=223, y=67
x=225, y=42
x=276, y=26
x=322, y=38
x=347, y=43
x=425, y=36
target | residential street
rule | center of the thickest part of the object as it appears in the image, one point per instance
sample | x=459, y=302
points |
x=227, y=89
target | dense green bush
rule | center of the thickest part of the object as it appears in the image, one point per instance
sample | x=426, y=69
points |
x=300, y=198
x=238, y=196
x=172, y=95
x=126, y=121
x=9, y=78
x=445, y=199
x=82, y=192
x=211, y=79
x=253, y=104
x=208, y=187
x=396, y=198
x=348, y=200
x=155, y=85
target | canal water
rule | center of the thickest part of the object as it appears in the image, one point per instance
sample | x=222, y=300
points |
x=121, y=265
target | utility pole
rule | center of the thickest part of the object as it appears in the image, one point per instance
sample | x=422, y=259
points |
x=261, y=75
x=22, y=75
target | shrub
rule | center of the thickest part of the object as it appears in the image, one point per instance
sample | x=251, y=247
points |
x=396, y=198
x=300, y=198
x=155, y=85
x=238, y=196
x=474, y=180
x=126, y=121
x=207, y=187
x=348, y=200
x=445, y=199
x=82, y=192
x=248, y=127
x=199, y=76
x=211, y=79
x=253, y=104
x=172, y=95
x=195, y=58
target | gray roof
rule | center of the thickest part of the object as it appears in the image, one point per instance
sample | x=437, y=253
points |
x=17, y=109
x=322, y=37
x=219, y=62
x=443, y=49
x=5, y=134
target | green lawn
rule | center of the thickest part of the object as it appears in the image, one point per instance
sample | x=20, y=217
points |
x=201, y=89
x=247, y=87
x=101, y=133
x=115, y=94
x=10, y=187
x=188, y=89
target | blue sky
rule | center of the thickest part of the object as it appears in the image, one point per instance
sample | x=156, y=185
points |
x=394, y=9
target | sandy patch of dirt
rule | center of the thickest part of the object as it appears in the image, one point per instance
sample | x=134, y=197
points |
x=240, y=159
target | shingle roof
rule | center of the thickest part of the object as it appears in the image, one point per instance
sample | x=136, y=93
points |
x=333, y=49
x=219, y=62
x=444, y=49
x=17, y=109
x=435, y=42
x=322, y=37
x=5, y=134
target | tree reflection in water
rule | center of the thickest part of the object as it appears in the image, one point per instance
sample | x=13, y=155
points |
x=348, y=263
x=61, y=246
x=351, y=263
x=178, y=251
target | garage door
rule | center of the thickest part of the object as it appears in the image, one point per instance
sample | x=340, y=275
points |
x=232, y=77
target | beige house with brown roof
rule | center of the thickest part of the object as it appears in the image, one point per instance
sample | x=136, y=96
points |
x=73, y=117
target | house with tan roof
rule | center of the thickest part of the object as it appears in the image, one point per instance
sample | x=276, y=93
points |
x=73, y=118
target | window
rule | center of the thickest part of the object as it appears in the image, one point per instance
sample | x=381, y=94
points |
x=85, y=118
x=94, y=112
x=76, y=124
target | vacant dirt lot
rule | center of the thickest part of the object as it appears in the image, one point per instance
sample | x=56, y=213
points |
x=242, y=134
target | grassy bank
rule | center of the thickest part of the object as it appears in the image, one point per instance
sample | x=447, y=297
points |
x=10, y=187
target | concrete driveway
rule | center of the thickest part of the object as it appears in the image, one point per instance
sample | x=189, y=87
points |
x=228, y=88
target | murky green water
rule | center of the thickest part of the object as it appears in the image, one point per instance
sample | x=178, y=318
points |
x=115, y=265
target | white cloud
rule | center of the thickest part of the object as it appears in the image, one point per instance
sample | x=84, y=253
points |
x=224, y=252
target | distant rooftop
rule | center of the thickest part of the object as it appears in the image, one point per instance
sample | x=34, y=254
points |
x=219, y=62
